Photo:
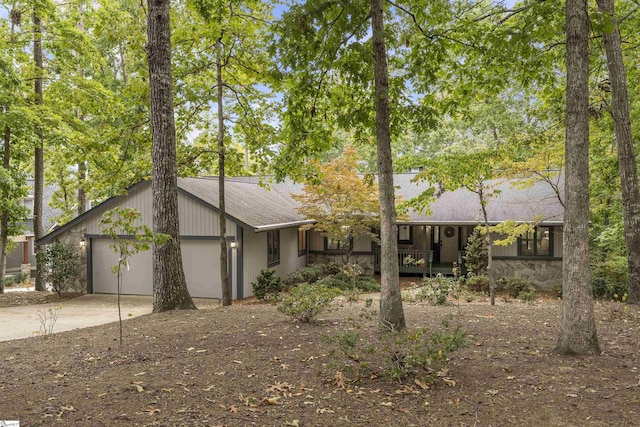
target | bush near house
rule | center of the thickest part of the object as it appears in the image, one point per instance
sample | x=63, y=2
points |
x=15, y=279
x=267, y=285
x=475, y=283
x=62, y=265
x=306, y=301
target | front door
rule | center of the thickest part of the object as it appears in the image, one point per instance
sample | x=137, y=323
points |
x=435, y=243
x=449, y=244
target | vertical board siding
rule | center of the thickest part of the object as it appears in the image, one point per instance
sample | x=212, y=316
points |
x=254, y=258
x=510, y=250
x=362, y=244
x=138, y=198
x=195, y=218
x=289, y=259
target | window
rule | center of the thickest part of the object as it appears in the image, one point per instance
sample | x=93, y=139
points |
x=273, y=248
x=302, y=242
x=536, y=243
x=405, y=234
x=333, y=245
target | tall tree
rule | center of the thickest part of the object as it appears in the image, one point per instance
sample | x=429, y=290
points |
x=224, y=254
x=391, y=311
x=38, y=176
x=169, y=284
x=577, y=324
x=626, y=153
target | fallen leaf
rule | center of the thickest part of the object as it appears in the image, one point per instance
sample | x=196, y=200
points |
x=139, y=388
x=68, y=408
x=294, y=423
x=449, y=382
x=420, y=384
x=152, y=411
x=271, y=400
x=386, y=403
x=491, y=392
x=234, y=409
x=324, y=411
x=340, y=379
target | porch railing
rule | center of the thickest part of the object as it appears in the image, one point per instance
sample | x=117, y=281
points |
x=410, y=261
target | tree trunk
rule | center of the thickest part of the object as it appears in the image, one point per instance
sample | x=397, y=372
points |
x=82, y=196
x=489, y=243
x=4, y=216
x=391, y=311
x=169, y=284
x=577, y=324
x=38, y=178
x=224, y=272
x=82, y=165
x=626, y=153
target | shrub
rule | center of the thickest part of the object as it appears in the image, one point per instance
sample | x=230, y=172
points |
x=517, y=285
x=306, y=301
x=610, y=280
x=476, y=257
x=527, y=295
x=62, y=266
x=332, y=267
x=309, y=274
x=343, y=282
x=267, y=285
x=421, y=353
x=437, y=290
x=477, y=283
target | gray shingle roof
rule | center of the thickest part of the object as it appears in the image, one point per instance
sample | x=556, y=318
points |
x=260, y=207
x=247, y=201
x=463, y=206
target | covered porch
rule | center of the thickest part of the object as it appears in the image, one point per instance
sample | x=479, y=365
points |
x=428, y=250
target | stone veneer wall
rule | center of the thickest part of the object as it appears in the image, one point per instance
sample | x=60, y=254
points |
x=364, y=261
x=544, y=275
x=72, y=238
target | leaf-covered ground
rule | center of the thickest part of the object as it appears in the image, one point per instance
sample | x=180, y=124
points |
x=249, y=365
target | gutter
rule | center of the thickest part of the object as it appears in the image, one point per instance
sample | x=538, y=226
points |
x=281, y=225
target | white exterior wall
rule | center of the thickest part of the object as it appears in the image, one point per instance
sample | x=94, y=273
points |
x=255, y=255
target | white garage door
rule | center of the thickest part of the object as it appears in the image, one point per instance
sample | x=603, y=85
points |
x=200, y=258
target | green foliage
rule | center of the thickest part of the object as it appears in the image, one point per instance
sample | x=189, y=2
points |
x=438, y=290
x=15, y=279
x=343, y=282
x=420, y=354
x=477, y=283
x=267, y=285
x=516, y=286
x=62, y=265
x=308, y=274
x=306, y=301
x=476, y=252
x=610, y=279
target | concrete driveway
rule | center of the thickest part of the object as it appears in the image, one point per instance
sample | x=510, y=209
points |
x=81, y=312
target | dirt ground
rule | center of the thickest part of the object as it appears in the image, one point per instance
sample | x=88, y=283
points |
x=249, y=365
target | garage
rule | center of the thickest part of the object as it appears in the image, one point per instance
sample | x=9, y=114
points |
x=200, y=258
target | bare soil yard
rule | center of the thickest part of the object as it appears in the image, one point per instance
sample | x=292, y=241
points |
x=249, y=365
